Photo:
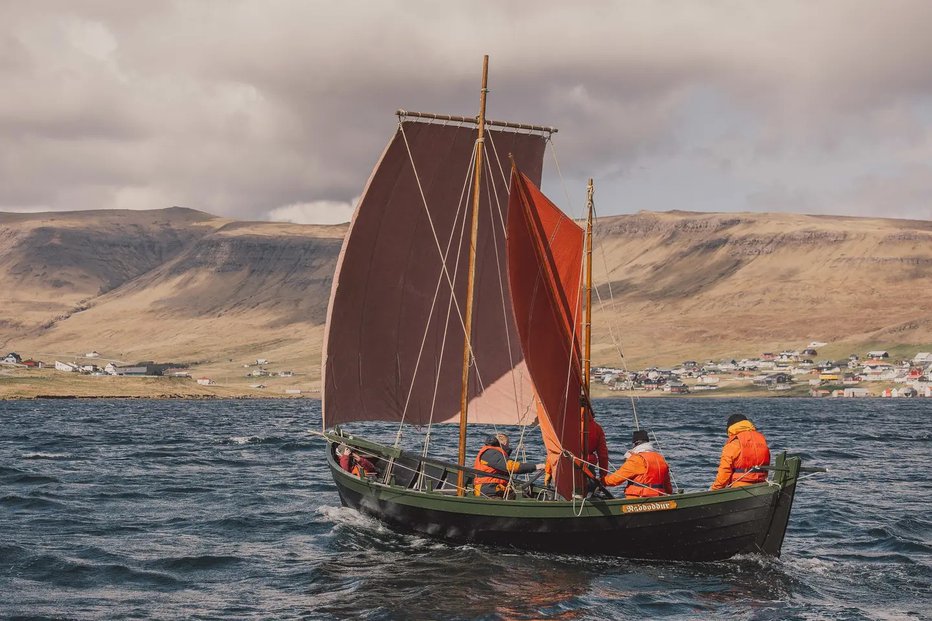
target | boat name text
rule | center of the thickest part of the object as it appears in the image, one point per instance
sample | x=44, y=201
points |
x=649, y=506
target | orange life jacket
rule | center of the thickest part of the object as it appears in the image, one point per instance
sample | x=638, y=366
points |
x=654, y=481
x=754, y=452
x=362, y=467
x=484, y=467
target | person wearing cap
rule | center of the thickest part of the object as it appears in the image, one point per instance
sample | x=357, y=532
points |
x=746, y=448
x=645, y=471
x=353, y=462
x=493, y=458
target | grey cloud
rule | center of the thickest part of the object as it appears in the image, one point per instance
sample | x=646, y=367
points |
x=904, y=194
x=240, y=108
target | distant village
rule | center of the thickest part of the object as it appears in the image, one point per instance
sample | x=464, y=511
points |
x=874, y=374
x=870, y=375
x=90, y=366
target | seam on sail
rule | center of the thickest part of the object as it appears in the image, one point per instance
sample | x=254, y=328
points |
x=437, y=288
x=504, y=180
x=569, y=200
x=501, y=291
x=572, y=344
x=433, y=231
x=508, y=336
x=534, y=293
x=450, y=301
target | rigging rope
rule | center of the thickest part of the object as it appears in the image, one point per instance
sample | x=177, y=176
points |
x=611, y=328
x=576, y=310
x=444, y=271
x=445, y=274
x=451, y=299
x=519, y=397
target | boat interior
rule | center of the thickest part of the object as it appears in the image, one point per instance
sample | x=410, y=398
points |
x=398, y=468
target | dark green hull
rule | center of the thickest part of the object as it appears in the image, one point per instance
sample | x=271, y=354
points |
x=703, y=526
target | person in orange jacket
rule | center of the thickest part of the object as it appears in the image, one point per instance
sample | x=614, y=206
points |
x=746, y=447
x=493, y=458
x=645, y=471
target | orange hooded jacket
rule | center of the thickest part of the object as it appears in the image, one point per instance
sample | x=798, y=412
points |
x=647, y=474
x=746, y=447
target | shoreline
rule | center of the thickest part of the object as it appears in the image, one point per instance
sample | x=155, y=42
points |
x=48, y=384
x=53, y=385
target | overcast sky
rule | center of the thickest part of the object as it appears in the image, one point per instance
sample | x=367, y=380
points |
x=279, y=109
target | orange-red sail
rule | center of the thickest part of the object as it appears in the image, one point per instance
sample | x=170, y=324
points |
x=544, y=267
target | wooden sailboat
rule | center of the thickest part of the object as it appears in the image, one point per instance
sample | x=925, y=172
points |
x=443, y=223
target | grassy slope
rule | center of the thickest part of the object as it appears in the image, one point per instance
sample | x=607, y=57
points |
x=179, y=285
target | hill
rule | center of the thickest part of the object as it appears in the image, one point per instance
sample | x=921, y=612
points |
x=184, y=286
x=692, y=285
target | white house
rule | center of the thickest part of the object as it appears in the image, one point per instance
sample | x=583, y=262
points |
x=66, y=367
x=923, y=357
x=11, y=358
x=92, y=354
x=856, y=392
x=205, y=381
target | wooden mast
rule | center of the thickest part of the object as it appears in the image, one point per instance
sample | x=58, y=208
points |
x=585, y=406
x=587, y=325
x=467, y=348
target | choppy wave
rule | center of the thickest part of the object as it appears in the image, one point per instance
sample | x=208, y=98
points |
x=240, y=440
x=220, y=510
x=44, y=455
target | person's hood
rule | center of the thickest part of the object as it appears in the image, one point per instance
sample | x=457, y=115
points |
x=741, y=425
x=640, y=448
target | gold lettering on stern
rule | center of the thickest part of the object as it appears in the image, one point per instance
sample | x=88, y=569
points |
x=641, y=507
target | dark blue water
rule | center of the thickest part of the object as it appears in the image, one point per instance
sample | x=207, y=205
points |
x=209, y=510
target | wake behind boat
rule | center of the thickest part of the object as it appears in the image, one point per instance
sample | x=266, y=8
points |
x=463, y=295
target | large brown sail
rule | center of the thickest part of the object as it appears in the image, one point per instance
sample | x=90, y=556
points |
x=392, y=350
x=545, y=262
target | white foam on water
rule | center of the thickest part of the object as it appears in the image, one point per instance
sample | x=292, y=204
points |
x=43, y=455
x=344, y=516
x=243, y=439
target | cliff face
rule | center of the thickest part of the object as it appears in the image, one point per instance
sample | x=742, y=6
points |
x=729, y=285
x=52, y=264
x=178, y=284
x=237, y=271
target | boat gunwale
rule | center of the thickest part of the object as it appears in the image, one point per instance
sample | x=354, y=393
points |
x=399, y=492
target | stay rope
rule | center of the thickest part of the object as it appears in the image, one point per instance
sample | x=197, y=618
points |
x=444, y=272
x=519, y=395
x=577, y=309
x=445, y=275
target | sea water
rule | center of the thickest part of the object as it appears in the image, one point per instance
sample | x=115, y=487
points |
x=226, y=509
